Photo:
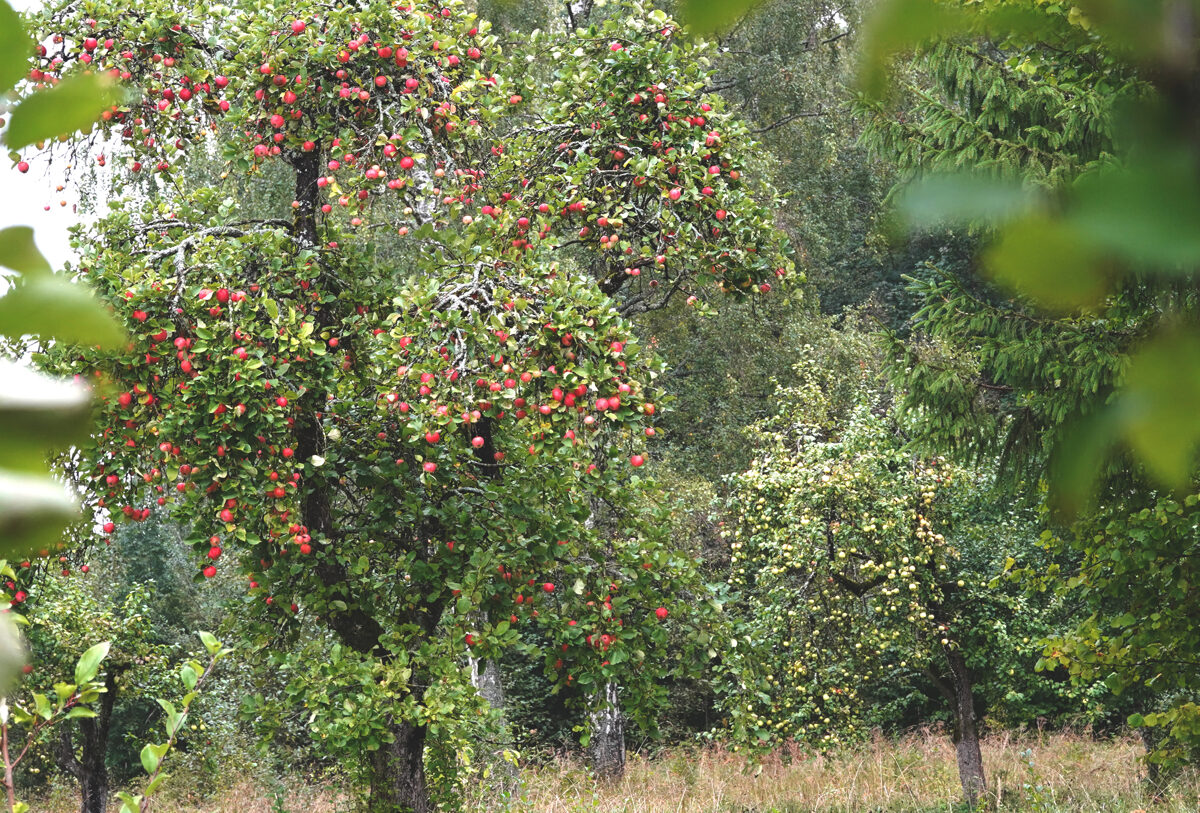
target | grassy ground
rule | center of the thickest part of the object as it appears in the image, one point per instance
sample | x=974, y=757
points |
x=918, y=773
x=1054, y=773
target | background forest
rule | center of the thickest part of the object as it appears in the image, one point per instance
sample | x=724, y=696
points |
x=546, y=406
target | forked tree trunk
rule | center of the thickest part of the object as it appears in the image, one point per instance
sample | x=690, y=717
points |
x=606, y=750
x=397, y=769
x=90, y=767
x=966, y=730
x=398, y=773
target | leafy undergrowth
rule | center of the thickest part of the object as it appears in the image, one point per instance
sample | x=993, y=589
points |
x=1053, y=773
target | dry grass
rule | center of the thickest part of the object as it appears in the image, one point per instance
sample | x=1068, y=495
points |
x=1053, y=773
x=244, y=795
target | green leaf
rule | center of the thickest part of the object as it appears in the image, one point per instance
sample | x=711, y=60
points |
x=19, y=252
x=1150, y=213
x=151, y=756
x=64, y=691
x=52, y=307
x=707, y=16
x=189, y=676
x=895, y=26
x=1048, y=261
x=42, y=706
x=1078, y=457
x=80, y=711
x=89, y=663
x=38, y=413
x=1158, y=405
x=16, y=47
x=71, y=105
x=210, y=642
x=1136, y=25
x=961, y=198
x=1136, y=720
x=33, y=512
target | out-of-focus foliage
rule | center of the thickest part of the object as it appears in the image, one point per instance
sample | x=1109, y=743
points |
x=1090, y=108
x=36, y=413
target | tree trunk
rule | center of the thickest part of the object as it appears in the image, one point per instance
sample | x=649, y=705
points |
x=578, y=12
x=90, y=767
x=95, y=795
x=398, y=773
x=487, y=683
x=966, y=730
x=606, y=750
x=1151, y=739
x=501, y=773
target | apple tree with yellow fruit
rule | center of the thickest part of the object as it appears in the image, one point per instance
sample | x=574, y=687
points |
x=862, y=568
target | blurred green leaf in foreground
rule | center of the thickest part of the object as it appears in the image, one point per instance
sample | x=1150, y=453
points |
x=38, y=414
x=1131, y=219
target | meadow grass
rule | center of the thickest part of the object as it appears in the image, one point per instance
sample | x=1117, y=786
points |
x=1044, y=773
x=1049, y=772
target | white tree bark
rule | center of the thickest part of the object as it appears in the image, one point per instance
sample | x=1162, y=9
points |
x=500, y=773
x=578, y=12
x=607, y=747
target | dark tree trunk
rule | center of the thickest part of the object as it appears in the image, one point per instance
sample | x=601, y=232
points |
x=578, y=13
x=1151, y=739
x=308, y=169
x=966, y=729
x=397, y=769
x=398, y=773
x=95, y=795
x=606, y=751
x=90, y=768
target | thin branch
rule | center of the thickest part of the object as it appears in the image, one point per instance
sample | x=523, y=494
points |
x=787, y=119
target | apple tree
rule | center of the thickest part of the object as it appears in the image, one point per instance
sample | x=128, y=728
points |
x=394, y=406
x=860, y=566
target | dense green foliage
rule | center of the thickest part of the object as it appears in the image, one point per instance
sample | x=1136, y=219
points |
x=572, y=348
x=863, y=569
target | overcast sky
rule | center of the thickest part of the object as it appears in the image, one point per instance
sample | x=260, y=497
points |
x=23, y=198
